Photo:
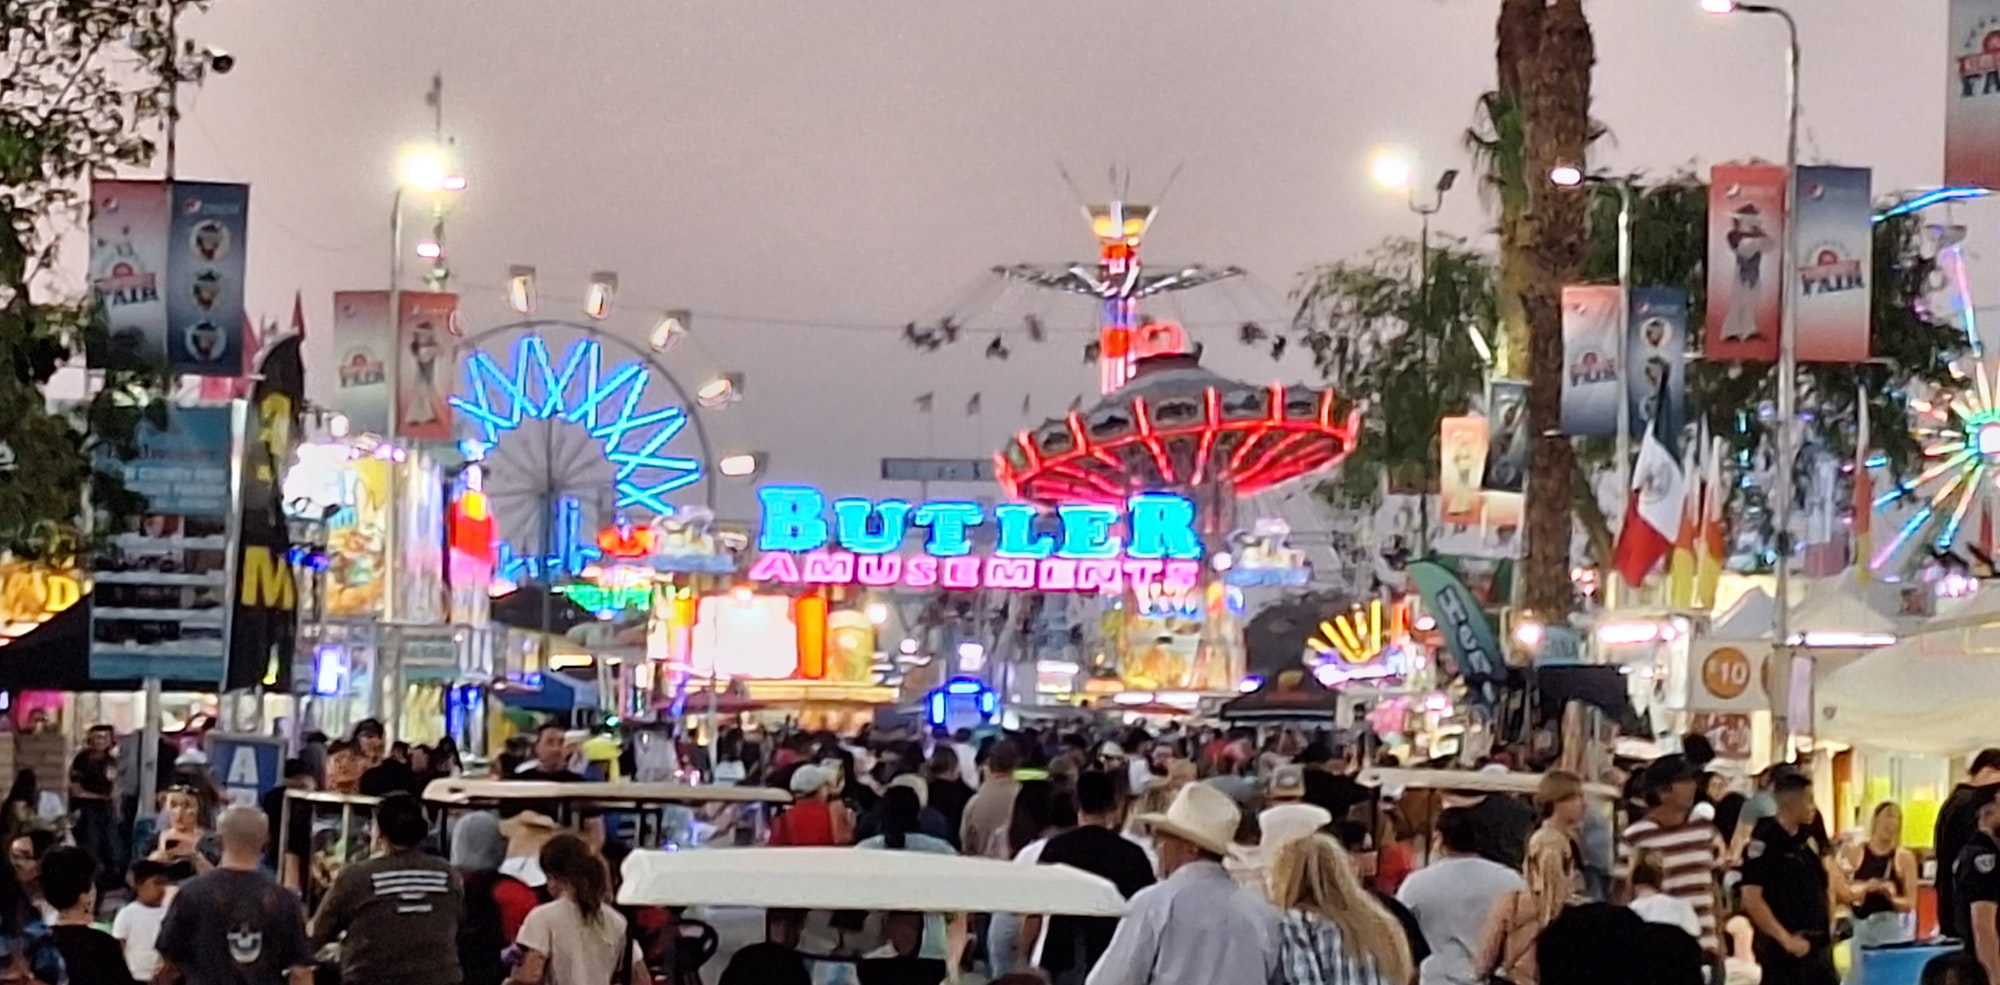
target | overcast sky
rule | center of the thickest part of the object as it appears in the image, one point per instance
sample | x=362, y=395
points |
x=806, y=176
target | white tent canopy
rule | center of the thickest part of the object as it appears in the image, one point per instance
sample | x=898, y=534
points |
x=1936, y=692
x=860, y=879
x=1748, y=619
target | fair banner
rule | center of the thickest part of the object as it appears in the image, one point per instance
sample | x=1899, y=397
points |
x=1746, y=229
x=426, y=329
x=362, y=337
x=1972, y=101
x=1728, y=676
x=205, y=266
x=128, y=260
x=1656, y=358
x=1592, y=350
x=1507, y=436
x=1462, y=445
x=1836, y=259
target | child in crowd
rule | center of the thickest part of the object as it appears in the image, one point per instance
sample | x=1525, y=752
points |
x=137, y=925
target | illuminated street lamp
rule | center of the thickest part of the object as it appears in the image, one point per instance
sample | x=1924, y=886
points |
x=1394, y=168
x=669, y=331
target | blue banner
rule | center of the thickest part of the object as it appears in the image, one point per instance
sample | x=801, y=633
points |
x=205, y=268
x=246, y=767
x=1656, y=358
x=1467, y=632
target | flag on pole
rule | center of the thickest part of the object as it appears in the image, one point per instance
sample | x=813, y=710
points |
x=1864, y=493
x=1653, y=510
x=1681, y=567
x=924, y=401
x=1710, y=548
x=972, y=406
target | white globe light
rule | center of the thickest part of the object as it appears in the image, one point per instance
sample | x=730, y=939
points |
x=1393, y=168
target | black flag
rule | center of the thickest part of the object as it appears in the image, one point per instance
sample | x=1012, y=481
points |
x=263, y=620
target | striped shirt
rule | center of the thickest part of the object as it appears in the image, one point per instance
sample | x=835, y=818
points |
x=1690, y=857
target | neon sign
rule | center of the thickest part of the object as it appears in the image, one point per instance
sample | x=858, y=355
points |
x=679, y=543
x=1263, y=558
x=1094, y=548
x=1360, y=645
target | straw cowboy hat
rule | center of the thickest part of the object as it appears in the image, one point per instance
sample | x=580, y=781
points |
x=1286, y=823
x=1200, y=815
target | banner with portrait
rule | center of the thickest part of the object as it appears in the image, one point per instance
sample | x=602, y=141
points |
x=1506, y=436
x=1592, y=350
x=1462, y=444
x=426, y=330
x=1746, y=230
x=1656, y=354
x=205, y=268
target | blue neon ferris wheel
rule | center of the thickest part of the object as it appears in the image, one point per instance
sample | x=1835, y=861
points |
x=582, y=426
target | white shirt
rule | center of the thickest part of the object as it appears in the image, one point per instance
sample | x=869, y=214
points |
x=1199, y=926
x=1140, y=775
x=1452, y=900
x=1670, y=910
x=578, y=953
x=968, y=762
x=137, y=928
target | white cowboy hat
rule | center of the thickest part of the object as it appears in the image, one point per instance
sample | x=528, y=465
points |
x=1286, y=823
x=1200, y=815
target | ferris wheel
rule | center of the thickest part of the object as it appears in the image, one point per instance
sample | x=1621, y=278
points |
x=578, y=428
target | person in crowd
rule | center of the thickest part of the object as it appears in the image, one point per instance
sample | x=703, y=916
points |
x=1333, y=932
x=137, y=925
x=1651, y=902
x=69, y=877
x=1601, y=943
x=901, y=818
x=577, y=937
x=1197, y=924
x=1503, y=822
x=1327, y=784
x=1453, y=899
x=1553, y=875
x=22, y=808
x=1073, y=944
x=1785, y=890
x=1761, y=804
x=1958, y=824
x=314, y=751
x=395, y=915
x=93, y=803
x=929, y=821
x=1954, y=968
x=24, y=855
x=552, y=756
x=25, y=940
x=992, y=805
x=288, y=851
x=183, y=844
x=477, y=851
x=394, y=774
x=445, y=761
x=234, y=925
x=814, y=817
x=1286, y=785
x=1883, y=884
x=949, y=793
x=344, y=767
x=1040, y=812
x=1363, y=851
x=371, y=742
x=776, y=959
x=1276, y=826
x=1975, y=878
x=1688, y=848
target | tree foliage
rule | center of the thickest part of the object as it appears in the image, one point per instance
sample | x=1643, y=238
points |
x=85, y=83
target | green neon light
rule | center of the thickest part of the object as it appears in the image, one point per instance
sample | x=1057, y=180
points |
x=598, y=598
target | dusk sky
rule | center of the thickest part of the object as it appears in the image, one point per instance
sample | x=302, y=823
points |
x=808, y=176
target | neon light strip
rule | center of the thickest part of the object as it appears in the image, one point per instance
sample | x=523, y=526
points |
x=1926, y=200
x=1965, y=498
x=1961, y=297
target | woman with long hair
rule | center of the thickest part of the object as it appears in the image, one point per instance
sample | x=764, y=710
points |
x=1334, y=932
x=1881, y=879
x=1040, y=813
x=577, y=938
x=1553, y=871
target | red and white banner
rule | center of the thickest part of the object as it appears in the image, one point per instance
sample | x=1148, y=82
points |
x=1462, y=444
x=1835, y=227
x=1972, y=99
x=426, y=329
x=1746, y=230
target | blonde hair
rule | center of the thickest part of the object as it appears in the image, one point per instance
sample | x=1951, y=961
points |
x=1316, y=876
x=1556, y=787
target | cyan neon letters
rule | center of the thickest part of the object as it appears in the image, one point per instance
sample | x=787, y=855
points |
x=851, y=522
x=792, y=520
x=1017, y=532
x=1087, y=531
x=1163, y=527
x=948, y=523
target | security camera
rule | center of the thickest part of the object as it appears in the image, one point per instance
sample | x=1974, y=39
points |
x=219, y=61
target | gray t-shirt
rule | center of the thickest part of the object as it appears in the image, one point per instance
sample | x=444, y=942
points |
x=1452, y=900
x=232, y=927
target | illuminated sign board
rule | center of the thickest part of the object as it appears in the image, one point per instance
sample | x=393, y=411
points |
x=669, y=544
x=32, y=593
x=1094, y=548
x=1260, y=556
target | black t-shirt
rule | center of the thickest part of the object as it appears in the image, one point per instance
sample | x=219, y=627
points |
x=564, y=775
x=91, y=955
x=299, y=839
x=1336, y=792
x=390, y=776
x=1413, y=932
x=1789, y=869
x=1074, y=941
x=1957, y=826
x=1975, y=878
x=231, y=927
x=1503, y=824
x=92, y=771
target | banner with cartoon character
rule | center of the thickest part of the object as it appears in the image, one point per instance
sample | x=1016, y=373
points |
x=1462, y=444
x=426, y=328
x=1591, y=352
x=128, y=261
x=1506, y=436
x=1656, y=357
x=1836, y=258
x=362, y=339
x=357, y=541
x=205, y=267
x=1972, y=99
x=1746, y=230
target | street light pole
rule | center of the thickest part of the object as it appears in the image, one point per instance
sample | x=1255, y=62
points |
x=1788, y=379
x=1430, y=334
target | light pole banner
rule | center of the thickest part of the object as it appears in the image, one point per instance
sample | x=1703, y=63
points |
x=363, y=338
x=1462, y=444
x=1656, y=353
x=1506, y=436
x=1836, y=260
x=1591, y=354
x=1746, y=229
x=426, y=328
x=128, y=260
x=1972, y=101
x=205, y=265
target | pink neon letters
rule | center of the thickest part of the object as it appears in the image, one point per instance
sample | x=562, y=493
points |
x=1024, y=574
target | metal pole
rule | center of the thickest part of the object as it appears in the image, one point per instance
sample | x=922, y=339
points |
x=388, y=653
x=173, y=94
x=1424, y=312
x=1615, y=584
x=149, y=752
